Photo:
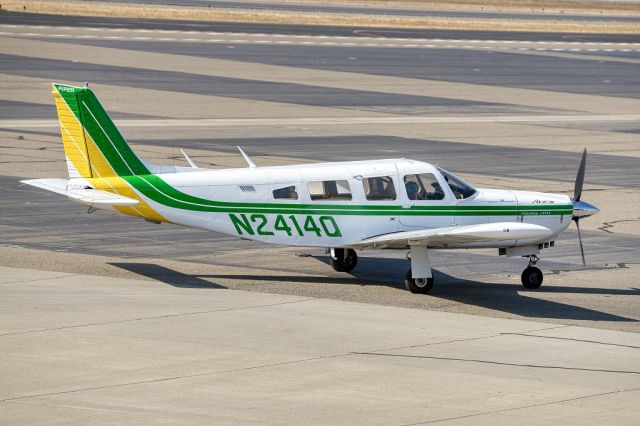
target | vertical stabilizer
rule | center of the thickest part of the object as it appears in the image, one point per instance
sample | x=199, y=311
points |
x=95, y=150
x=93, y=145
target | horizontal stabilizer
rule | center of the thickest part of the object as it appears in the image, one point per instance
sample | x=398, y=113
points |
x=441, y=237
x=96, y=197
x=59, y=186
x=91, y=197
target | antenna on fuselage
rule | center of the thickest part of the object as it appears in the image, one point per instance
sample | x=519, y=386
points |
x=189, y=160
x=247, y=158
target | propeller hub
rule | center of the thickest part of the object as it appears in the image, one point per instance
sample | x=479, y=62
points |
x=582, y=209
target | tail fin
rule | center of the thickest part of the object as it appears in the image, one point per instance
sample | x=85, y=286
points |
x=92, y=144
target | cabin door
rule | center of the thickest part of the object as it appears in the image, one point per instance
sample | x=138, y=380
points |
x=426, y=200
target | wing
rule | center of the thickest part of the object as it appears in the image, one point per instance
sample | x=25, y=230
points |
x=91, y=197
x=443, y=237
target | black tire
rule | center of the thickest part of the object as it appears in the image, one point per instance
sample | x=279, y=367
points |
x=342, y=264
x=532, y=278
x=418, y=285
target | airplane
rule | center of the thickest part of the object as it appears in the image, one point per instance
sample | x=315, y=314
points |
x=341, y=206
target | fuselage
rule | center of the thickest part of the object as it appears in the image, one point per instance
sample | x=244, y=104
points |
x=336, y=204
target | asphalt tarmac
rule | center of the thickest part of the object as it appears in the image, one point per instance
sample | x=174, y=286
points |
x=500, y=113
x=389, y=11
x=367, y=101
x=16, y=18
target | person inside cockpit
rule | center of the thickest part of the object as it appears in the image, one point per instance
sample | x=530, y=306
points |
x=412, y=190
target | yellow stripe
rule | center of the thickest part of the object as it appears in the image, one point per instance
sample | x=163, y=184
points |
x=72, y=137
x=112, y=183
x=119, y=186
x=98, y=162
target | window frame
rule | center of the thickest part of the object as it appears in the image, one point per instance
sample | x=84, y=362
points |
x=446, y=191
x=323, y=197
x=447, y=174
x=279, y=188
x=392, y=185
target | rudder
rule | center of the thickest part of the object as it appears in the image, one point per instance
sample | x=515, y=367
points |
x=93, y=145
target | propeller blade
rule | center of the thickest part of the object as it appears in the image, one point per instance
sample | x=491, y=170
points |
x=577, y=190
x=584, y=263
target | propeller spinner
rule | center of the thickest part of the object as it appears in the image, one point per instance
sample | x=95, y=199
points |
x=580, y=208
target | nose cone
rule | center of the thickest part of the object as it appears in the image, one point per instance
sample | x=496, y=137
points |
x=582, y=209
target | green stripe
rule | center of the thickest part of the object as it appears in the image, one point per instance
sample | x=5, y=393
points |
x=128, y=166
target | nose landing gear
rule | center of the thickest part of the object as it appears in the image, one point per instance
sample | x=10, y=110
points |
x=532, y=277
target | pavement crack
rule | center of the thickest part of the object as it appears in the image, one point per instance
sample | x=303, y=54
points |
x=38, y=280
x=151, y=318
x=165, y=379
x=75, y=407
x=573, y=340
x=429, y=344
x=481, y=361
x=547, y=328
x=462, y=340
x=561, y=401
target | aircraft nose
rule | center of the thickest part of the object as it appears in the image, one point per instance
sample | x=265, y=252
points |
x=582, y=209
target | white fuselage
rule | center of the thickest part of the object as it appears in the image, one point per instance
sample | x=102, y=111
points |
x=256, y=204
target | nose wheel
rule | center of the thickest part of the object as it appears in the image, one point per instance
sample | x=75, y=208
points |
x=532, y=277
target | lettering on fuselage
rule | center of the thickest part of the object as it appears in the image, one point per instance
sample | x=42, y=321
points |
x=260, y=224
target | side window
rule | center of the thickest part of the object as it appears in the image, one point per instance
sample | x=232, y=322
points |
x=424, y=186
x=286, y=193
x=329, y=190
x=379, y=188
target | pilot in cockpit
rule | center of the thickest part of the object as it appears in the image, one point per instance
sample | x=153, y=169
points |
x=412, y=190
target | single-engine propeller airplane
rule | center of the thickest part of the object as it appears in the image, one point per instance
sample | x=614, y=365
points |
x=342, y=206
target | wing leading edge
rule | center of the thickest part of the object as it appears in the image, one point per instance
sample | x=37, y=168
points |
x=443, y=237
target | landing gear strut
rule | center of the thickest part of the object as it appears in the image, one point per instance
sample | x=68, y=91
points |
x=343, y=260
x=532, y=277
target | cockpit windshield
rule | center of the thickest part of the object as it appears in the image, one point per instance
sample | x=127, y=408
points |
x=460, y=188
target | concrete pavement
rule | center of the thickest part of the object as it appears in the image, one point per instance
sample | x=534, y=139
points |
x=103, y=350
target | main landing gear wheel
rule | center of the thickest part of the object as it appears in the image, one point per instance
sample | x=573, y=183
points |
x=532, y=278
x=417, y=285
x=343, y=263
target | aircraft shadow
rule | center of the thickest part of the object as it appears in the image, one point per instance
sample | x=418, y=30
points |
x=513, y=298
x=505, y=297
x=167, y=276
